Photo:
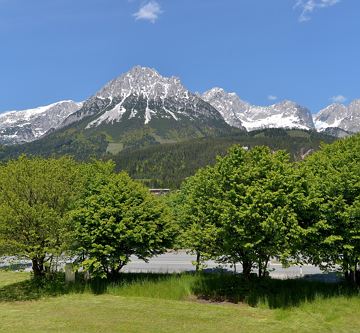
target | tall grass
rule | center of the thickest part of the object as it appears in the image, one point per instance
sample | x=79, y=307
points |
x=171, y=287
x=267, y=293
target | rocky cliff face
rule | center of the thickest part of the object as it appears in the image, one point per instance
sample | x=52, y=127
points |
x=147, y=103
x=29, y=125
x=236, y=112
x=143, y=94
x=340, y=116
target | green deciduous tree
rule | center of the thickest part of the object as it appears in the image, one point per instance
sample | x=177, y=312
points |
x=250, y=202
x=35, y=197
x=333, y=232
x=118, y=218
x=262, y=197
x=194, y=208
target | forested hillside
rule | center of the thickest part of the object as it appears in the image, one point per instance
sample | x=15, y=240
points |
x=167, y=165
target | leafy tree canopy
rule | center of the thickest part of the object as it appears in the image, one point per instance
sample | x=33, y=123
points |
x=333, y=232
x=118, y=218
x=250, y=202
x=36, y=196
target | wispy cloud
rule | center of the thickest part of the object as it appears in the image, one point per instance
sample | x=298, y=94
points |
x=338, y=99
x=150, y=11
x=307, y=7
x=272, y=97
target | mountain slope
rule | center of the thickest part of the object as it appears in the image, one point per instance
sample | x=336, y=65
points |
x=137, y=109
x=29, y=125
x=285, y=114
x=142, y=107
x=229, y=105
x=169, y=164
x=344, y=117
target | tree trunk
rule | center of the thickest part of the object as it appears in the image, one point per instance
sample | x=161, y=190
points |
x=198, y=261
x=265, y=271
x=38, y=267
x=352, y=276
x=260, y=269
x=114, y=272
x=357, y=277
x=247, y=266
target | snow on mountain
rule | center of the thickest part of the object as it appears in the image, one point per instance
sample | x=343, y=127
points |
x=142, y=93
x=29, y=125
x=285, y=114
x=143, y=97
x=229, y=105
x=147, y=82
x=340, y=116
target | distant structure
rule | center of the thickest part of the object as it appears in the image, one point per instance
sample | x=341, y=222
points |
x=159, y=191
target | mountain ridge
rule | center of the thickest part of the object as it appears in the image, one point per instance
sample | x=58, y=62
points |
x=142, y=103
x=285, y=114
x=31, y=124
x=341, y=116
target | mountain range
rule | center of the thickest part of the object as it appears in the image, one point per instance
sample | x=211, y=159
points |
x=141, y=108
x=32, y=124
x=236, y=112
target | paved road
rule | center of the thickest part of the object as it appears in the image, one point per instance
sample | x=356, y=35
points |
x=181, y=262
x=176, y=262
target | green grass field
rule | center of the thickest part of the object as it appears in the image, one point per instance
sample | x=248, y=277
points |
x=154, y=303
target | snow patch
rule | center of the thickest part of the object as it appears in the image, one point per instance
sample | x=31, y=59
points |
x=274, y=121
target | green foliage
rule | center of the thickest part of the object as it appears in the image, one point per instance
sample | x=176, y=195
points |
x=36, y=196
x=167, y=165
x=193, y=208
x=82, y=146
x=259, y=205
x=118, y=218
x=333, y=231
x=244, y=209
x=161, y=156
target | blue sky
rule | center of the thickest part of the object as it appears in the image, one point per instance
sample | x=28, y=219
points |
x=264, y=50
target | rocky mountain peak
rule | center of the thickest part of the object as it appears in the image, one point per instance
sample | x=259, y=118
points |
x=228, y=104
x=31, y=124
x=143, y=95
x=235, y=111
x=340, y=116
x=354, y=106
x=144, y=81
x=287, y=104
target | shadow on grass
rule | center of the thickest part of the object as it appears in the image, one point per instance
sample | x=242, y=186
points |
x=55, y=285
x=274, y=293
x=214, y=287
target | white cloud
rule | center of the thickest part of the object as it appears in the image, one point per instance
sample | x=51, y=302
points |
x=338, y=99
x=272, y=98
x=149, y=12
x=307, y=7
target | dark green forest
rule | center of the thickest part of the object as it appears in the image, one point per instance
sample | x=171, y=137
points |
x=167, y=165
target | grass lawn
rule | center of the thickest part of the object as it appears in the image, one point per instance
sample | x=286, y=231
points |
x=122, y=309
x=8, y=278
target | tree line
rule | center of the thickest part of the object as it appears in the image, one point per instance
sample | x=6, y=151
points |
x=248, y=207
x=167, y=164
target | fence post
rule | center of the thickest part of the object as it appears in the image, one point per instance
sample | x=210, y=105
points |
x=69, y=273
